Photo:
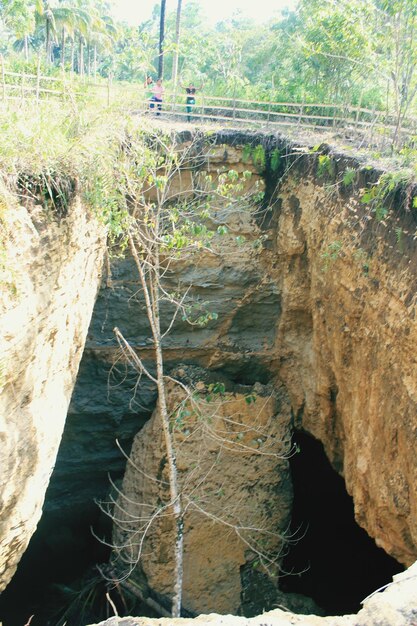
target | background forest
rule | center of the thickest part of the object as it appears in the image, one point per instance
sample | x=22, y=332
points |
x=360, y=52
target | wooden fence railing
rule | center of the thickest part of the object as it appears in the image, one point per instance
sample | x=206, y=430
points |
x=369, y=125
x=18, y=86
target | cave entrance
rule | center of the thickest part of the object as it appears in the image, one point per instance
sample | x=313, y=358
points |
x=55, y=573
x=337, y=563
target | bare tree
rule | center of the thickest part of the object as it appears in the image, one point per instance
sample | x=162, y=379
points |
x=169, y=221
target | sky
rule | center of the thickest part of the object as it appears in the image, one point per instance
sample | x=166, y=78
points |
x=136, y=11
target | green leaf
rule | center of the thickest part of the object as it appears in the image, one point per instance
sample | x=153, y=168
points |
x=367, y=197
x=217, y=388
x=349, y=176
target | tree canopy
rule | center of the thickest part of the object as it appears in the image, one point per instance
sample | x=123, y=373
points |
x=334, y=51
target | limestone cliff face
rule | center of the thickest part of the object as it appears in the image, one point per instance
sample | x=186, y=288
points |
x=106, y=405
x=346, y=342
x=52, y=274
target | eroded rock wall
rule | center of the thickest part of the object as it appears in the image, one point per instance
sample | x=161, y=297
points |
x=53, y=270
x=346, y=342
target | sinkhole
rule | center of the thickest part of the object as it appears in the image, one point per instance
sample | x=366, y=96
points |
x=334, y=561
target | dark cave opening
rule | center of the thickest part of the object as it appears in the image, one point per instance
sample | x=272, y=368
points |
x=335, y=562
x=59, y=561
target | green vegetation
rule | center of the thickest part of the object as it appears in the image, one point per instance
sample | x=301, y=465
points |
x=380, y=196
x=348, y=177
x=43, y=157
x=346, y=52
x=325, y=167
x=331, y=254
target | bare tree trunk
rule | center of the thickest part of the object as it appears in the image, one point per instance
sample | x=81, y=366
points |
x=48, y=41
x=73, y=54
x=26, y=47
x=161, y=39
x=95, y=62
x=152, y=298
x=88, y=59
x=81, y=58
x=63, y=48
x=177, y=43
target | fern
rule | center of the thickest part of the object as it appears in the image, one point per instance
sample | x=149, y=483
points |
x=275, y=159
x=258, y=157
x=381, y=212
x=399, y=237
x=348, y=177
x=257, y=154
x=325, y=166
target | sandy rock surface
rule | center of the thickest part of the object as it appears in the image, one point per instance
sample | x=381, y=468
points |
x=396, y=606
x=44, y=320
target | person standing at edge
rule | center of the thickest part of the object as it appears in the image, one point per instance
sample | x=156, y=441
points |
x=190, y=102
x=147, y=86
x=157, y=96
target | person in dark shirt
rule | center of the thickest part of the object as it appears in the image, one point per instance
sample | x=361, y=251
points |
x=190, y=102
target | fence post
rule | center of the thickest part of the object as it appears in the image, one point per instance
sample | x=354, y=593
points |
x=374, y=118
x=174, y=100
x=38, y=78
x=234, y=100
x=301, y=111
x=269, y=113
x=3, y=77
x=358, y=110
x=357, y=116
x=345, y=121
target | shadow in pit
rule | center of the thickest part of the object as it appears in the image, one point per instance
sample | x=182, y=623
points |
x=338, y=563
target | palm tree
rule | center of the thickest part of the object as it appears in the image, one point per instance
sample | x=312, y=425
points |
x=45, y=16
x=177, y=44
x=69, y=19
x=101, y=36
x=161, y=39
